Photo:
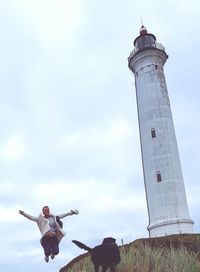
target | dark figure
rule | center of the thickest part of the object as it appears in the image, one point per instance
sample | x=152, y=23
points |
x=51, y=230
x=106, y=255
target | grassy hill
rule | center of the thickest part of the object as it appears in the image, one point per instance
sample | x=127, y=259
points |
x=175, y=253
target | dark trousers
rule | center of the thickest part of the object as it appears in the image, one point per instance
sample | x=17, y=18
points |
x=50, y=245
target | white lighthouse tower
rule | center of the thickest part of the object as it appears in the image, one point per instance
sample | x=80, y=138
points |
x=164, y=185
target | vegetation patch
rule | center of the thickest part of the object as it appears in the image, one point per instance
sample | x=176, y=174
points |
x=175, y=253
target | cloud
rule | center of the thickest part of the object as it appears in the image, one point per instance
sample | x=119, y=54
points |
x=113, y=133
x=103, y=194
x=53, y=22
x=30, y=253
x=9, y=214
x=13, y=148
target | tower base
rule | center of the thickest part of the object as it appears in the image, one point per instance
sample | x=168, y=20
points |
x=171, y=227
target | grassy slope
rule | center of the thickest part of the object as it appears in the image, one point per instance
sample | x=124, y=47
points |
x=177, y=252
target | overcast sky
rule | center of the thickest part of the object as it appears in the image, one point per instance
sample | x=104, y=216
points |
x=69, y=130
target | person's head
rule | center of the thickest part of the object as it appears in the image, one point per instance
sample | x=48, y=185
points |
x=46, y=210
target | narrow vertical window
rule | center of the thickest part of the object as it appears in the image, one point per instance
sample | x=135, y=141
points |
x=153, y=133
x=156, y=66
x=158, y=176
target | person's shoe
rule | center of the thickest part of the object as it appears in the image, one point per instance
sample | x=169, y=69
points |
x=52, y=256
x=46, y=259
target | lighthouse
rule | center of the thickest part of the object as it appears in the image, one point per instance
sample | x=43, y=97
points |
x=163, y=179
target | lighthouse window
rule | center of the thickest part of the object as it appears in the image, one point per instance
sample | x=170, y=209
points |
x=153, y=133
x=156, y=66
x=158, y=176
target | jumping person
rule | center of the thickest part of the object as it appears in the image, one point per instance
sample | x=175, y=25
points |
x=51, y=230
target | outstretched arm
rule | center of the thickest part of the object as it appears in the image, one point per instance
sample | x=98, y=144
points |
x=30, y=217
x=68, y=213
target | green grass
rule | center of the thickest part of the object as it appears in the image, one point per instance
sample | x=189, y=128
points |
x=146, y=259
x=180, y=253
